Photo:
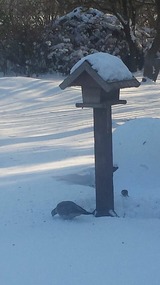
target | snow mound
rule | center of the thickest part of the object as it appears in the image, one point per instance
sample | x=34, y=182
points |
x=136, y=152
x=109, y=67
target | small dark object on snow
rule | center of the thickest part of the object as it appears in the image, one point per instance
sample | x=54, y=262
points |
x=115, y=168
x=144, y=79
x=69, y=210
x=124, y=193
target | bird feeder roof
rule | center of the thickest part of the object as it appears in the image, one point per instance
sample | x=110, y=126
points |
x=103, y=70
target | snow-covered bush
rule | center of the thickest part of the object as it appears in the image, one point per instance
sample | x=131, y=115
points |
x=79, y=33
x=60, y=44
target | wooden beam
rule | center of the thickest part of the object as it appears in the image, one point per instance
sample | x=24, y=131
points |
x=100, y=105
x=103, y=161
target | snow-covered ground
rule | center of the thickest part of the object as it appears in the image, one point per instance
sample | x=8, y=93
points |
x=46, y=156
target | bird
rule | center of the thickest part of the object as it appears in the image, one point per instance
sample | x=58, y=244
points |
x=124, y=193
x=69, y=210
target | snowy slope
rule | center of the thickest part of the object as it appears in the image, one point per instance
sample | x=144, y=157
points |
x=46, y=150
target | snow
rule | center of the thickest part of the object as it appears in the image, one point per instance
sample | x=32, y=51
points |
x=46, y=150
x=144, y=160
x=109, y=67
x=139, y=140
x=79, y=33
x=87, y=17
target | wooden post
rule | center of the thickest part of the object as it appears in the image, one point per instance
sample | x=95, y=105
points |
x=100, y=95
x=103, y=160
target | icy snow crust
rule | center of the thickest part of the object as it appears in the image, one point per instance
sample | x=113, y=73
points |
x=109, y=67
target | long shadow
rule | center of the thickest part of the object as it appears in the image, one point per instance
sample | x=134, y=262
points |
x=42, y=138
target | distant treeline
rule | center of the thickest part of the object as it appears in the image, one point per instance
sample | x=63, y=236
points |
x=38, y=36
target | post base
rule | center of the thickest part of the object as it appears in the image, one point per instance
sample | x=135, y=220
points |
x=108, y=213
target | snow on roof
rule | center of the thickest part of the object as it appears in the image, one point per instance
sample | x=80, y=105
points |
x=109, y=67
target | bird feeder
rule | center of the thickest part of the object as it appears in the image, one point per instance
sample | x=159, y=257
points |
x=100, y=94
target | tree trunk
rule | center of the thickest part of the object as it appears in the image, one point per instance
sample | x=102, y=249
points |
x=152, y=62
x=151, y=67
x=133, y=60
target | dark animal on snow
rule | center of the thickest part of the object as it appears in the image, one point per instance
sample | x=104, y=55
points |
x=69, y=210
